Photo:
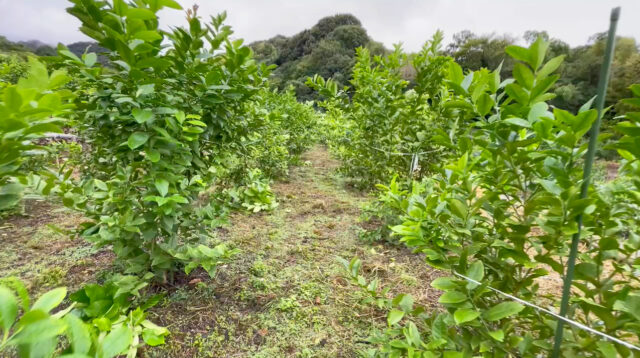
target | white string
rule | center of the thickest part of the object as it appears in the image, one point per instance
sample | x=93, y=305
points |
x=401, y=153
x=555, y=315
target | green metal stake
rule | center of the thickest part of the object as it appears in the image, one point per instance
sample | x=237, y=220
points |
x=588, y=164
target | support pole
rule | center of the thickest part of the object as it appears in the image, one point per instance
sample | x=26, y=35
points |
x=603, y=82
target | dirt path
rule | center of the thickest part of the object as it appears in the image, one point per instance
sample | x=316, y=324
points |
x=285, y=295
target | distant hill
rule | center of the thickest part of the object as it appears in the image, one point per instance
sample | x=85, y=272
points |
x=40, y=48
x=327, y=49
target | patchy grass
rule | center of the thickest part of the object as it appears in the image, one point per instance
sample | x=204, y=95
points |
x=284, y=295
x=36, y=249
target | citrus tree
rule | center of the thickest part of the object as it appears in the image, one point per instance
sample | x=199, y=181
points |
x=499, y=216
x=381, y=125
x=156, y=122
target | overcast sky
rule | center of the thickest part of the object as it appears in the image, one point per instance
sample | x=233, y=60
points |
x=389, y=21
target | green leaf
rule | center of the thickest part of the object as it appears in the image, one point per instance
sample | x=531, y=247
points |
x=50, y=300
x=153, y=155
x=550, y=67
x=142, y=115
x=551, y=186
x=170, y=4
x=12, y=99
x=631, y=305
x=518, y=122
x=458, y=208
x=607, y=349
x=137, y=139
x=455, y=73
x=89, y=59
x=8, y=308
x=503, y=310
x=537, y=52
x=37, y=326
x=153, y=334
x=140, y=14
x=497, y=335
x=484, y=104
x=475, y=272
x=394, y=316
x=463, y=315
x=78, y=334
x=523, y=75
x=517, y=93
x=444, y=283
x=452, y=297
x=179, y=199
x=100, y=184
x=163, y=186
x=117, y=342
x=148, y=35
x=519, y=53
x=149, y=88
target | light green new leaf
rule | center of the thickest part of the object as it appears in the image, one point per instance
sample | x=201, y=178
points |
x=537, y=52
x=116, y=342
x=394, y=316
x=140, y=14
x=475, y=272
x=484, y=104
x=8, y=308
x=519, y=53
x=550, y=67
x=518, y=122
x=464, y=315
x=100, y=184
x=148, y=36
x=452, y=297
x=523, y=75
x=444, y=283
x=78, y=334
x=50, y=300
x=149, y=88
x=89, y=59
x=551, y=186
x=607, y=349
x=497, y=335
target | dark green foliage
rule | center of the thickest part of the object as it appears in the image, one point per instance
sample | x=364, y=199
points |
x=474, y=52
x=327, y=49
x=39, y=48
x=579, y=72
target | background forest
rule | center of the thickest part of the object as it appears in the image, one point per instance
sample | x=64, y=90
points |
x=182, y=193
x=328, y=49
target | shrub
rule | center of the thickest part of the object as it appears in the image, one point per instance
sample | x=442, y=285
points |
x=377, y=131
x=502, y=213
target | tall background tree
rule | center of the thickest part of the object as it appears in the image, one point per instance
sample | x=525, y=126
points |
x=328, y=49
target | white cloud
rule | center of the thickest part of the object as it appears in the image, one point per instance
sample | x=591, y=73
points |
x=389, y=21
